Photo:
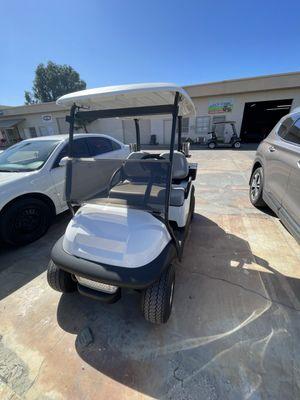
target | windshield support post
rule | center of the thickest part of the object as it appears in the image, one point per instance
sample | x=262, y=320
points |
x=179, y=132
x=71, y=120
x=169, y=178
x=137, y=133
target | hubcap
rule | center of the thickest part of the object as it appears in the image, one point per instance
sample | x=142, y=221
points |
x=27, y=220
x=255, y=185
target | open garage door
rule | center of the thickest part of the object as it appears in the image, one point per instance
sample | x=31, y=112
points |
x=260, y=117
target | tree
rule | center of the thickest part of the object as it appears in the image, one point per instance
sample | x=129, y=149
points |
x=52, y=81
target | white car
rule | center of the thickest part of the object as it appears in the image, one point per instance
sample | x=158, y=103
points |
x=32, y=181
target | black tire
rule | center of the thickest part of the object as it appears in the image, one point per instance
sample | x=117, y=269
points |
x=212, y=145
x=236, y=145
x=256, y=188
x=158, y=298
x=60, y=280
x=25, y=221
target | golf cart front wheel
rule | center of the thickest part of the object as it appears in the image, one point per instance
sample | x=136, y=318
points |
x=158, y=298
x=60, y=280
x=211, y=145
x=236, y=145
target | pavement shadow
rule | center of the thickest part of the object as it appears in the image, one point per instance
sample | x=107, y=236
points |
x=228, y=320
x=19, y=265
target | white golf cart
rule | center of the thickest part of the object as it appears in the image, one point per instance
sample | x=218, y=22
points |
x=133, y=214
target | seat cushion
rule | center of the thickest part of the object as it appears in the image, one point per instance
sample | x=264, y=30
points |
x=135, y=192
x=180, y=164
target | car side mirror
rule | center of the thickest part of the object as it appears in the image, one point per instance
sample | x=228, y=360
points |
x=63, y=162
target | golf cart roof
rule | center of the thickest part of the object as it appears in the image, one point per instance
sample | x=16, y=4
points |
x=134, y=95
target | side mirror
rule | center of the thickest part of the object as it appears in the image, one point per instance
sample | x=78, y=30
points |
x=63, y=162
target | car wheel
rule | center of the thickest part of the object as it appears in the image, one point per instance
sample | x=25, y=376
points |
x=237, y=145
x=158, y=298
x=256, y=188
x=25, y=221
x=60, y=280
x=212, y=145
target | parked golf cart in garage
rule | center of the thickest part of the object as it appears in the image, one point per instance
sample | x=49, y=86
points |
x=133, y=214
x=228, y=138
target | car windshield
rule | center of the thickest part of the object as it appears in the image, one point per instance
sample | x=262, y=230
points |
x=26, y=156
x=131, y=182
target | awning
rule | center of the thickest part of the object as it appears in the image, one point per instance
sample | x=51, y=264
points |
x=10, y=123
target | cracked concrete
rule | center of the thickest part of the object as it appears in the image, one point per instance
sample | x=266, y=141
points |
x=234, y=330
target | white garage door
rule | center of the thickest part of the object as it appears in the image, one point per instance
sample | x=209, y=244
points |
x=129, y=131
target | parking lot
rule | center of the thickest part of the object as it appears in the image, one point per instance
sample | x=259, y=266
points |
x=233, y=334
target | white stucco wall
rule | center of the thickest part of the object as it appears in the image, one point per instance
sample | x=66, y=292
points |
x=202, y=95
x=239, y=100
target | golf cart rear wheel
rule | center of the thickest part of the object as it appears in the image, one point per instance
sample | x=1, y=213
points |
x=158, y=298
x=60, y=280
x=211, y=145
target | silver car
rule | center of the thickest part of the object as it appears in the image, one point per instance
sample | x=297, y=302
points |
x=275, y=177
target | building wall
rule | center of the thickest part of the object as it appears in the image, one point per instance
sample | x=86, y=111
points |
x=237, y=92
x=238, y=101
x=43, y=127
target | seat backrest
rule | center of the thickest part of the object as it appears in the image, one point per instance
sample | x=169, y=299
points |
x=180, y=164
x=135, y=170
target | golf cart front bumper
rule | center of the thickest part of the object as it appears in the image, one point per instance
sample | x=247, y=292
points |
x=135, y=278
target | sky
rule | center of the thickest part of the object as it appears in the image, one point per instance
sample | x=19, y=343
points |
x=129, y=41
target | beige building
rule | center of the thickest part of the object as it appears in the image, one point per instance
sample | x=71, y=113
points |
x=256, y=104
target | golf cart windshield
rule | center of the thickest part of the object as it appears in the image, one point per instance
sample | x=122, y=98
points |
x=130, y=183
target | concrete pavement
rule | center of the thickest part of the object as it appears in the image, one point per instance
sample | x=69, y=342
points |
x=233, y=334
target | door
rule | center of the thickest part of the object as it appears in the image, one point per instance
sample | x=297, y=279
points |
x=277, y=165
x=58, y=173
x=291, y=203
x=145, y=130
x=129, y=131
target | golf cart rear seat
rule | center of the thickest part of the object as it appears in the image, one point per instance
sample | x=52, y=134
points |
x=127, y=189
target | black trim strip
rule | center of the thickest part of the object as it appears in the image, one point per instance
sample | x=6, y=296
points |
x=136, y=278
x=126, y=112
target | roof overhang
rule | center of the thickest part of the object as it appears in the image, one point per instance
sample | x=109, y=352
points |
x=130, y=96
x=10, y=123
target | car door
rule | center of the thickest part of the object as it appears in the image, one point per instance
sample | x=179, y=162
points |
x=102, y=147
x=58, y=173
x=276, y=164
x=290, y=210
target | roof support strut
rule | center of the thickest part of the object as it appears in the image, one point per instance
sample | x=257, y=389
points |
x=71, y=120
x=179, y=132
x=138, y=135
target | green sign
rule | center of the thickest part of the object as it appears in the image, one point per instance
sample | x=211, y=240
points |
x=220, y=107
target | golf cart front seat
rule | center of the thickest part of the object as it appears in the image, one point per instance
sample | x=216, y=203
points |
x=137, y=189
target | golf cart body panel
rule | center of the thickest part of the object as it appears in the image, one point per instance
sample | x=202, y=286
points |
x=118, y=236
